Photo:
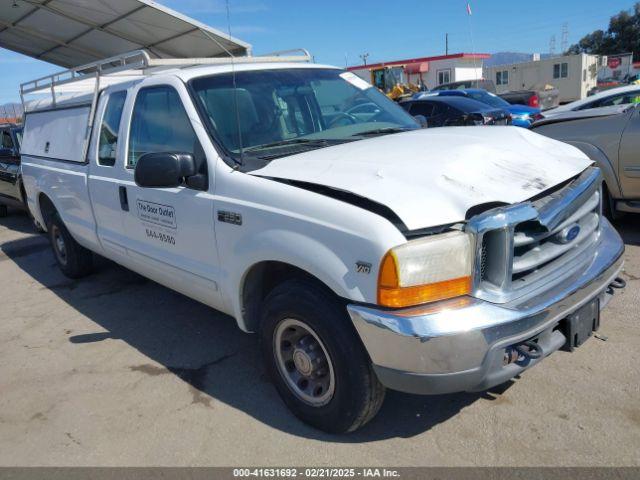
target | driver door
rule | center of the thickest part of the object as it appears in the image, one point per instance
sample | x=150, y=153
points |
x=170, y=231
x=9, y=166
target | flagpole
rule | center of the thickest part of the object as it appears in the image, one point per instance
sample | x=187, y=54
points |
x=473, y=48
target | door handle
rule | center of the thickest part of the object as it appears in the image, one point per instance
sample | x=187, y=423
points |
x=124, y=201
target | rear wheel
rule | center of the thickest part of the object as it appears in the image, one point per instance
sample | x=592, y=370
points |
x=316, y=360
x=74, y=260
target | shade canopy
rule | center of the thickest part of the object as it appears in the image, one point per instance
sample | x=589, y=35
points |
x=70, y=33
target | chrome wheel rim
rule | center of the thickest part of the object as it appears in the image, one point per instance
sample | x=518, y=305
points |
x=303, y=362
x=59, y=247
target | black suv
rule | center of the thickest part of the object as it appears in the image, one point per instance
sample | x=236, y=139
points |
x=11, y=189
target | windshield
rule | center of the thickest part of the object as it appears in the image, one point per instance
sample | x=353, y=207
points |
x=282, y=112
x=489, y=99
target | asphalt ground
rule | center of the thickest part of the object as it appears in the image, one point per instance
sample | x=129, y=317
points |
x=116, y=370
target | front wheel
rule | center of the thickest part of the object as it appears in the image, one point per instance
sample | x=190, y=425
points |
x=74, y=260
x=316, y=360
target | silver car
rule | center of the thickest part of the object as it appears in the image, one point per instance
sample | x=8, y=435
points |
x=611, y=137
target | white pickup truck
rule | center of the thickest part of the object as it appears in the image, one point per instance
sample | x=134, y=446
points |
x=366, y=252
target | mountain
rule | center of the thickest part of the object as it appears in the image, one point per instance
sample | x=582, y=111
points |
x=10, y=111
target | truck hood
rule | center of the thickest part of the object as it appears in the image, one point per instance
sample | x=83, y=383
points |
x=432, y=177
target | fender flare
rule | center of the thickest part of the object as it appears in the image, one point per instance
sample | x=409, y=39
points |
x=291, y=248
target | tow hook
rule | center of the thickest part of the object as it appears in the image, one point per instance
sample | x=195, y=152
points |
x=618, y=283
x=525, y=350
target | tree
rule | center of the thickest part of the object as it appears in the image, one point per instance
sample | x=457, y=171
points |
x=623, y=35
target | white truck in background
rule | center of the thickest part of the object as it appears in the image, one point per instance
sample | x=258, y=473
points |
x=366, y=252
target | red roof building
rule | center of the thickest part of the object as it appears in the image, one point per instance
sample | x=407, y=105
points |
x=431, y=71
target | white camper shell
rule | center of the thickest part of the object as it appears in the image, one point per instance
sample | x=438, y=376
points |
x=366, y=252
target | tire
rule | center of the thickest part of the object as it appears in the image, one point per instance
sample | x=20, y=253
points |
x=74, y=260
x=608, y=206
x=4, y=211
x=323, y=343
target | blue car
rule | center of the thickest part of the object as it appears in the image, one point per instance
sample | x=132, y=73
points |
x=521, y=115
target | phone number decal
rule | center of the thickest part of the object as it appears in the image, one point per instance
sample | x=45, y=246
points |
x=161, y=237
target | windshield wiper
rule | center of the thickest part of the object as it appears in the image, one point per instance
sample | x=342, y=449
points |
x=292, y=141
x=382, y=131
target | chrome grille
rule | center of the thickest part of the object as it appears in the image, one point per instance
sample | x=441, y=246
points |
x=535, y=248
x=522, y=247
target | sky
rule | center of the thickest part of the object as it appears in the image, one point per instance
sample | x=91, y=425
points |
x=337, y=32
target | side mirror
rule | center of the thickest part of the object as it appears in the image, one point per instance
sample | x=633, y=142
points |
x=158, y=170
x=7, y=153
x=422, y=120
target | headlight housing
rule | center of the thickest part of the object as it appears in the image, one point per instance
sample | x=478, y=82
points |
x=429, y=269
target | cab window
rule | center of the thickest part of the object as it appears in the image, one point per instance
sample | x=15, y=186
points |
x=108, y=145
x=160, y=124
x=422, y=108
x=7, y=142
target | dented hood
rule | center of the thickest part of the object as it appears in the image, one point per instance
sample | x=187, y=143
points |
x=432, y=177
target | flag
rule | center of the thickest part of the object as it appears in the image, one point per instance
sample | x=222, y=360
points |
x=468, y=8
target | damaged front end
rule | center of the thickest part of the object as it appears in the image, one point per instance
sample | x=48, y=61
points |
x=543, y=270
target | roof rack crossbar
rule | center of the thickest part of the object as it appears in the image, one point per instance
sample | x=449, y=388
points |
x=140, y=60
x=128, y=61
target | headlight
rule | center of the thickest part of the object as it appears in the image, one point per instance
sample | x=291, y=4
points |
x=426, y=270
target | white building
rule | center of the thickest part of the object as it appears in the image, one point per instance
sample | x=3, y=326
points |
x=572, y=75
x=430, y=71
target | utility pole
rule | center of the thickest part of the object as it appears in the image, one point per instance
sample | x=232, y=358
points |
x=446, y=44
x=364, y=57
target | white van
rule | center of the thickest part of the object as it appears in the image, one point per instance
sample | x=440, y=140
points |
x=366, y=252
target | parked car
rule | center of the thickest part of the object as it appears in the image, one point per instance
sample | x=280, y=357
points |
x=11, y=189
x=521, y=115
x=611, y=137
x=544, y=98
x=487, y=85
x=615, y=96
x=454, y=111
x=606, y=84
x=366, y=252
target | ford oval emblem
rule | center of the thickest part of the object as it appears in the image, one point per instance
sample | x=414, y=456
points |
x=569, y=234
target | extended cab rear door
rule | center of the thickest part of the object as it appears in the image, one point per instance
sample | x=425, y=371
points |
x=170, y=231
x=105, y=166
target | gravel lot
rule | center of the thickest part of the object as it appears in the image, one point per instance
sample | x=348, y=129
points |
x=116, y=370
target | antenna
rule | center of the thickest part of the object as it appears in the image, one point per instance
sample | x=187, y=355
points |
x=564, y=43
x=552, y=45
x=235, y=89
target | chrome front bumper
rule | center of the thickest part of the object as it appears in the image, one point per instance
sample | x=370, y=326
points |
x=459, y=345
